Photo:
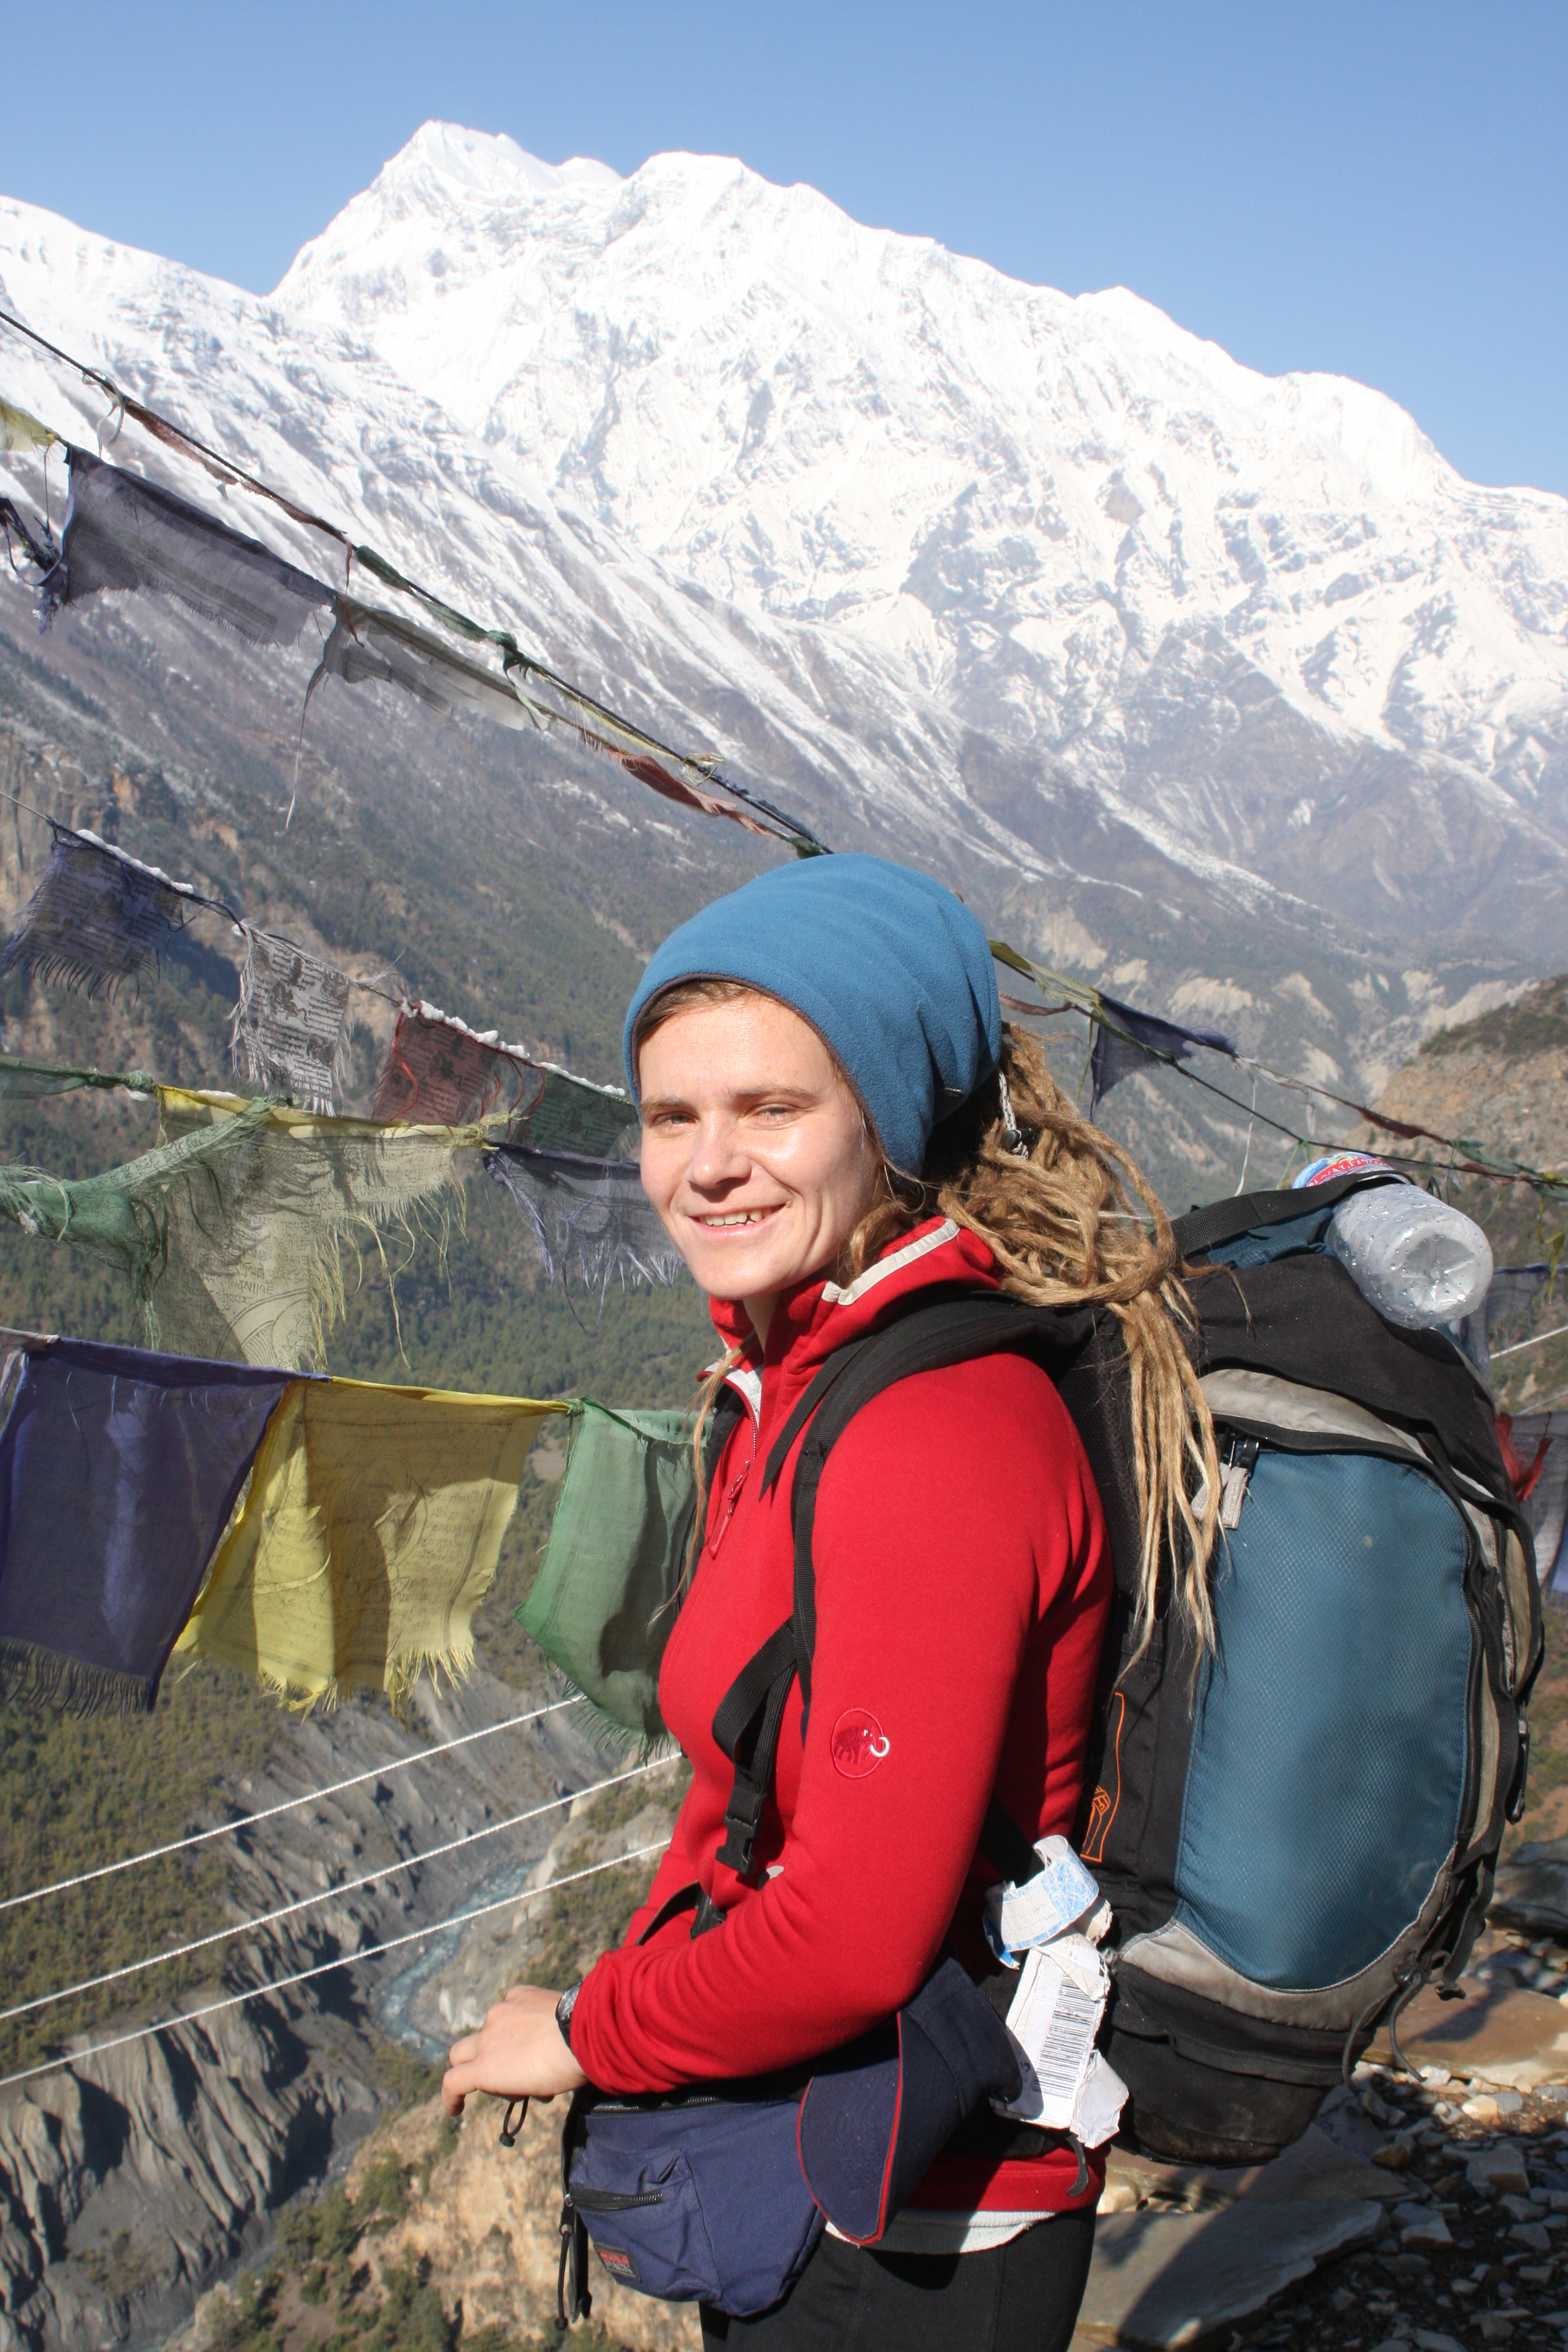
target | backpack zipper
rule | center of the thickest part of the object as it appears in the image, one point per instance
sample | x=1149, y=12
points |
x=1241, y=1461
x=610, y=2201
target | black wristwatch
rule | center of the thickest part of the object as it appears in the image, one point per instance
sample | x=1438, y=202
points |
x=563, y=2008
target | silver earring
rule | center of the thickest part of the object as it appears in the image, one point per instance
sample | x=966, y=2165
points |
x=1010, y=1139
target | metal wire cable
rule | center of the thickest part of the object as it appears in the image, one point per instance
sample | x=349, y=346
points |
x=324, y=1967
x=289, y=1805
x=326, y=1894
x=1519, y=1345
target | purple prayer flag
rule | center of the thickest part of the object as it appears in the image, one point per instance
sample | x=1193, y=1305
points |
x=117, y=1472
x=123, y=532
x=1115, y=1057
x=98, y=919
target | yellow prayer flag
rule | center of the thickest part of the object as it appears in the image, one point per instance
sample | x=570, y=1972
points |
x=255, y=1252
x=20, y=430
x=369, y=1534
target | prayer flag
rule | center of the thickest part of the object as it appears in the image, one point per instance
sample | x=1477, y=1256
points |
x=568, y=1114
x=124, y=1215
x=255, y=1242
x=25, y=1081
x=439, y=1071
x=36, y=545
x=603, y=1604
x=369, y=645
x=1114, y=1056
x=1539, y=1443
x=369, y=1534
x=123, y=532
x=118, y=1473
x=20, y=430
x=290, y=1026
x=99, y=917
x=591, y=1214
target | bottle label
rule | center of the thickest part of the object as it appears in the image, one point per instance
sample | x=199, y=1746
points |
x=1339, y=1163
x=1063, y=1895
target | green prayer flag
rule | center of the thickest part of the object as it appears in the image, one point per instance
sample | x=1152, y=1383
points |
x=24, y=1080
x=124, y=1217
x=566, y=1114
x=603, y=1602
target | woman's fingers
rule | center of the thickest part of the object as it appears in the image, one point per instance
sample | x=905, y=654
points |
x=455, y=2088
x=517, y=2053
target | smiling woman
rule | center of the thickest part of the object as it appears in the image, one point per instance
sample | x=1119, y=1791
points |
x=837, y=1132
x=757, y=1152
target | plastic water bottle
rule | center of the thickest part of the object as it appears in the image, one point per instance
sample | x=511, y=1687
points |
x=1420, y=1263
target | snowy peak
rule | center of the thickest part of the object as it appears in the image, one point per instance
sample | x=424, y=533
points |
x=489, y=163
x=1069, y=519
x=444, y=177
x=952, y=559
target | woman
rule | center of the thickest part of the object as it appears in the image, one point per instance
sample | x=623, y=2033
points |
x=835, y=1124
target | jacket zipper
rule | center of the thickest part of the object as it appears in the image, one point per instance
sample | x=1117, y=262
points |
x=732, y=1497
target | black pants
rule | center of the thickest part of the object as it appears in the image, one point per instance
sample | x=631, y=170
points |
x=1020, y=2298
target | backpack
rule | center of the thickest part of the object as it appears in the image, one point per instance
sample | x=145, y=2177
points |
x=1298, y=1830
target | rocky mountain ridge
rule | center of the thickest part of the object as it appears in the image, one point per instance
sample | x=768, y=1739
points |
x=130, y=2182
x=1260, y=618
x=1099, y=721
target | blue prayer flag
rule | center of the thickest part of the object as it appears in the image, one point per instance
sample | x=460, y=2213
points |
x=119, y=1469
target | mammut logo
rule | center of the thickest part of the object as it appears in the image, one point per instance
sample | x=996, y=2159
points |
x=617, y=2261
x=859, y=1743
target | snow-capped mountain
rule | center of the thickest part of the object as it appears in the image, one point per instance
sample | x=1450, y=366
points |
x=1181, y=673
x=1263, y=615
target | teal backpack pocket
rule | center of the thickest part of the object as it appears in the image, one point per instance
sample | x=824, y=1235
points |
x=1325, y=1793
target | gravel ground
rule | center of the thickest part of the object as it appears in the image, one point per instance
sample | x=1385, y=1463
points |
x=1479, y=2252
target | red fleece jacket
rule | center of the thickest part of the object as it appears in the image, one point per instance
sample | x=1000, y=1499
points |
x=962, y=1578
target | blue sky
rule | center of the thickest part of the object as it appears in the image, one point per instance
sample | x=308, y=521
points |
x=1378, y=190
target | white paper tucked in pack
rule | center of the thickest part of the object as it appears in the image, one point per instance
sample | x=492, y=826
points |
x=1061, y=1895
x=1053, y=2019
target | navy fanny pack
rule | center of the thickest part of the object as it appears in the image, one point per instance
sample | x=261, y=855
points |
x=718, y=2194
x=695, y=2197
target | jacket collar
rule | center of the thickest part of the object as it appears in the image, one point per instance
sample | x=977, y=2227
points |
x=817, y=1317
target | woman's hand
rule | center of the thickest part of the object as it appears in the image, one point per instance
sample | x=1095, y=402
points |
x=518, y=2053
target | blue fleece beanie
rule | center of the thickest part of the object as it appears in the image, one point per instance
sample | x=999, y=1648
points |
x=886, y=965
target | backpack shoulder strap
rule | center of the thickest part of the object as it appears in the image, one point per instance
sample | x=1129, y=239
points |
x=926, y=1340
x=951, y=1329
